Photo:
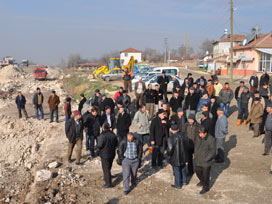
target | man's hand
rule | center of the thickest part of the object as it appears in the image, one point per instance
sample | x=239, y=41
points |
x=163, y=121
x=153, y=142
x=34, y=105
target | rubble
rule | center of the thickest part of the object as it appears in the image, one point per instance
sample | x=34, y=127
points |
x=43, y=175
x=53, y=165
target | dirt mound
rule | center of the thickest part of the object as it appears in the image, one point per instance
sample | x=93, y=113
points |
x=11, y=72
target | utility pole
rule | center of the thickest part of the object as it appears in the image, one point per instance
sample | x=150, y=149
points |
x=231, y=41
x=166, y=49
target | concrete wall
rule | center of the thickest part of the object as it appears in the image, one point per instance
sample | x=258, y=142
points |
x=125, y=59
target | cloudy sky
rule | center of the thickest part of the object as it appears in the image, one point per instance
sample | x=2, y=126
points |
x=46, y=31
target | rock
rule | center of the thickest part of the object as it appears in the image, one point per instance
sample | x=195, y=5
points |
x=43, y=175
x=53, y=165
x=29, y=165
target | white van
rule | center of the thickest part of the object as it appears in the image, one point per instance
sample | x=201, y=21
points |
x=168, y=70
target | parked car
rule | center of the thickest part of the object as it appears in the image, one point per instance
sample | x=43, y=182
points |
x=115, y=74
x=168, y=70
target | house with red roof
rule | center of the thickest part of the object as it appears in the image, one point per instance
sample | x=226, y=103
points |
x=126, y=54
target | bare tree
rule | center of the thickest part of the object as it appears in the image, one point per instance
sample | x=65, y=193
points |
x=184, y=51
x=74, y=60
x=207, y=45
x=152, y=55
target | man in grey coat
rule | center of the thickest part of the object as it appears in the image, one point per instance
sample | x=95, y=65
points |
x=221, y=131
x=225, y=97
x=268, y=130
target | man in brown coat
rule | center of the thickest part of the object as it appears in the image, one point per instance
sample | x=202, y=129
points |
x=139, y=90
x=210, y=88
x=255, y=116
x=53, y=103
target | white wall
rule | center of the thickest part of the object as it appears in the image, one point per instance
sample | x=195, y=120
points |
x=125, y=59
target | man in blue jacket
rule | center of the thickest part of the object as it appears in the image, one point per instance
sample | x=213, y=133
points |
x=20, y=102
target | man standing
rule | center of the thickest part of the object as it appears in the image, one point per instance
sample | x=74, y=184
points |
x=254, y=82
x=210, y=88
x=179, y=119
x=150, y=97
x=175, y=83
x=67, y=109
x=54, y=102
x=238, y=92
x=37, y=103
x=74, y=133
x=158, y=98
x=96, y=99
x=225, y=97
x=139, y=90
x=243, y=112
x=21, y=102
x=264, y=79
x=107, y=143
x=141, y=121
x=82, y=101
x=204, y=156
x=126, y=100
x=217, y=88
x=175, y=102
x=107, y=102
x=221, y=131
x=177, y=152
x=109, y=117
x=268, y=131
x=163, y=81
x=127, y=77
x=158, y=136
x=129, y=156
x=123, y=124
x=191, y=102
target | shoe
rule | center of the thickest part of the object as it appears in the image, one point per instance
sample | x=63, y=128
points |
x=245, y=123
x=174, y=186
x=270, y=172
x=107, y=186
x=79, y=164
x=238, y=122
x=185, y=184
x=203, y=191
x=199, y=184
x=265, y=154
x=70, y=161
x=126, y=192
x=254, y=136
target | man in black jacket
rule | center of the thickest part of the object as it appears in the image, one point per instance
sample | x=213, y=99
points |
x=158, y=137
x=179, y=119
x=150, y=96
x=177, y=152
x=175, y=102
x=37, y=103
x=91, y=121
x=21, y=102
x=158, y=97
x=107, y=102
x=107, y=144
x=264, y=79
x=254, y=82
x=238, y=92
x=74, y=133
x=123, y=124
x=191, y=102
x=207, y=123
x=175, y=83
x=82, y=101
x=109, y=117
x=163, y=81
x=205, y=150
x=129, y=156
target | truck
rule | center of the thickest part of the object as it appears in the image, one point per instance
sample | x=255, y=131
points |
x=40, y=73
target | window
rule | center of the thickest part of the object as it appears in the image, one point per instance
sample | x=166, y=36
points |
x=243, y=65
x=265, y=63
x=126, y=54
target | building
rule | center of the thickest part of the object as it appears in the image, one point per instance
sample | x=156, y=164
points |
x=126, y=54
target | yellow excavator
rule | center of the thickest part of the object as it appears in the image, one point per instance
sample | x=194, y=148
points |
x=113, y=64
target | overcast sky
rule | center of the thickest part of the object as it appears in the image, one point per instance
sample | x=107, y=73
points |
x=46, y=31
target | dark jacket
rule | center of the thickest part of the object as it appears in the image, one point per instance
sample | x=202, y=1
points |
x=96, y=100
x=107, y=102
x=35, y=99
x=208, y=124
x=123, y=147
x=163, y=82
x=112, y=118
x=107, y=144
x=213, y=110
x=178, y=121
x=264, y=79
x=20, y=102
x=123, y=124
x=205, y=150
x=226, y=95
x=245, y=98
x=268, y=122
x=158, y=131
x=175, y=103
x=150, y=96
x=191, y=101
x=81, y=103
x=67, y=109
x=191, y=131
x=73, y=130
x=126, y=101
x=92, y=124
x=53, y=102
x=191, y=80
x=175, y=84
x=236, y=92
x=177, y=149
x=158, y=96
x=254, y=80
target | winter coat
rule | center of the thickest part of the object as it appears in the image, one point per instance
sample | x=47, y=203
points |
x=205, y=151
x=251, y=102
x=35, y=99
x=201, y=102
x=97, y=100
x=123, y=147
x=238, y=91
x=163, y=82
x=178, y=121
x=53, y=102
x=117, y=96
x=210, y=90
x=20, y=101
x=264, y=79
x=177, y=149
x=73, y=130
x=184, y=88
x=127, y=76
x=107, y=144
x=92, y=124
x=67, y=108
x=123, y=124
x=208, y=125
x=256, y=113
x=126, y=101
x=264, y=94
x=254, y=81
x=81, y=103
x=268, y=122
x=112, y=118
x=217, y=89
x=221, y=127
x=226, y=95
x=158, y=96
x=158, y=131
x=191, y=101
x=176, y=103
x=176, y=84
x=244, y=99
x=199, y=116
x=191, y=132
x=107, y=102
x=136, y=87
x=213, y=110
x=141, y=121
x=150, y=96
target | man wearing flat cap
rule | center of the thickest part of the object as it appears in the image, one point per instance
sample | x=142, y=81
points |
x=74, y=133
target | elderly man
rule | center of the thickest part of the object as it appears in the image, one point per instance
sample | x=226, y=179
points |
x=54, y=102
x=139, y=90
x=74, y=133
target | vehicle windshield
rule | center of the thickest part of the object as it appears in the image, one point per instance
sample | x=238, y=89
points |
x=113, y=63
x=39, y=71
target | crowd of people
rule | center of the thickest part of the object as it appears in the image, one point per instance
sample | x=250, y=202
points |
x=188, y=130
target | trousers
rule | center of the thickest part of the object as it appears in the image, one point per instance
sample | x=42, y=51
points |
x=157, y=155
x=20, y=112
x=52, y=115
x=220, y=155
x=267, y=141
x=130, y=168
x=127, y=85
x=203, y=174
x=38, y=108
x=150, y=107
x=256, y=129
x=139, y=99
x=71, y=146
x=243, y=112
x=180, y=175
x=106, y=166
